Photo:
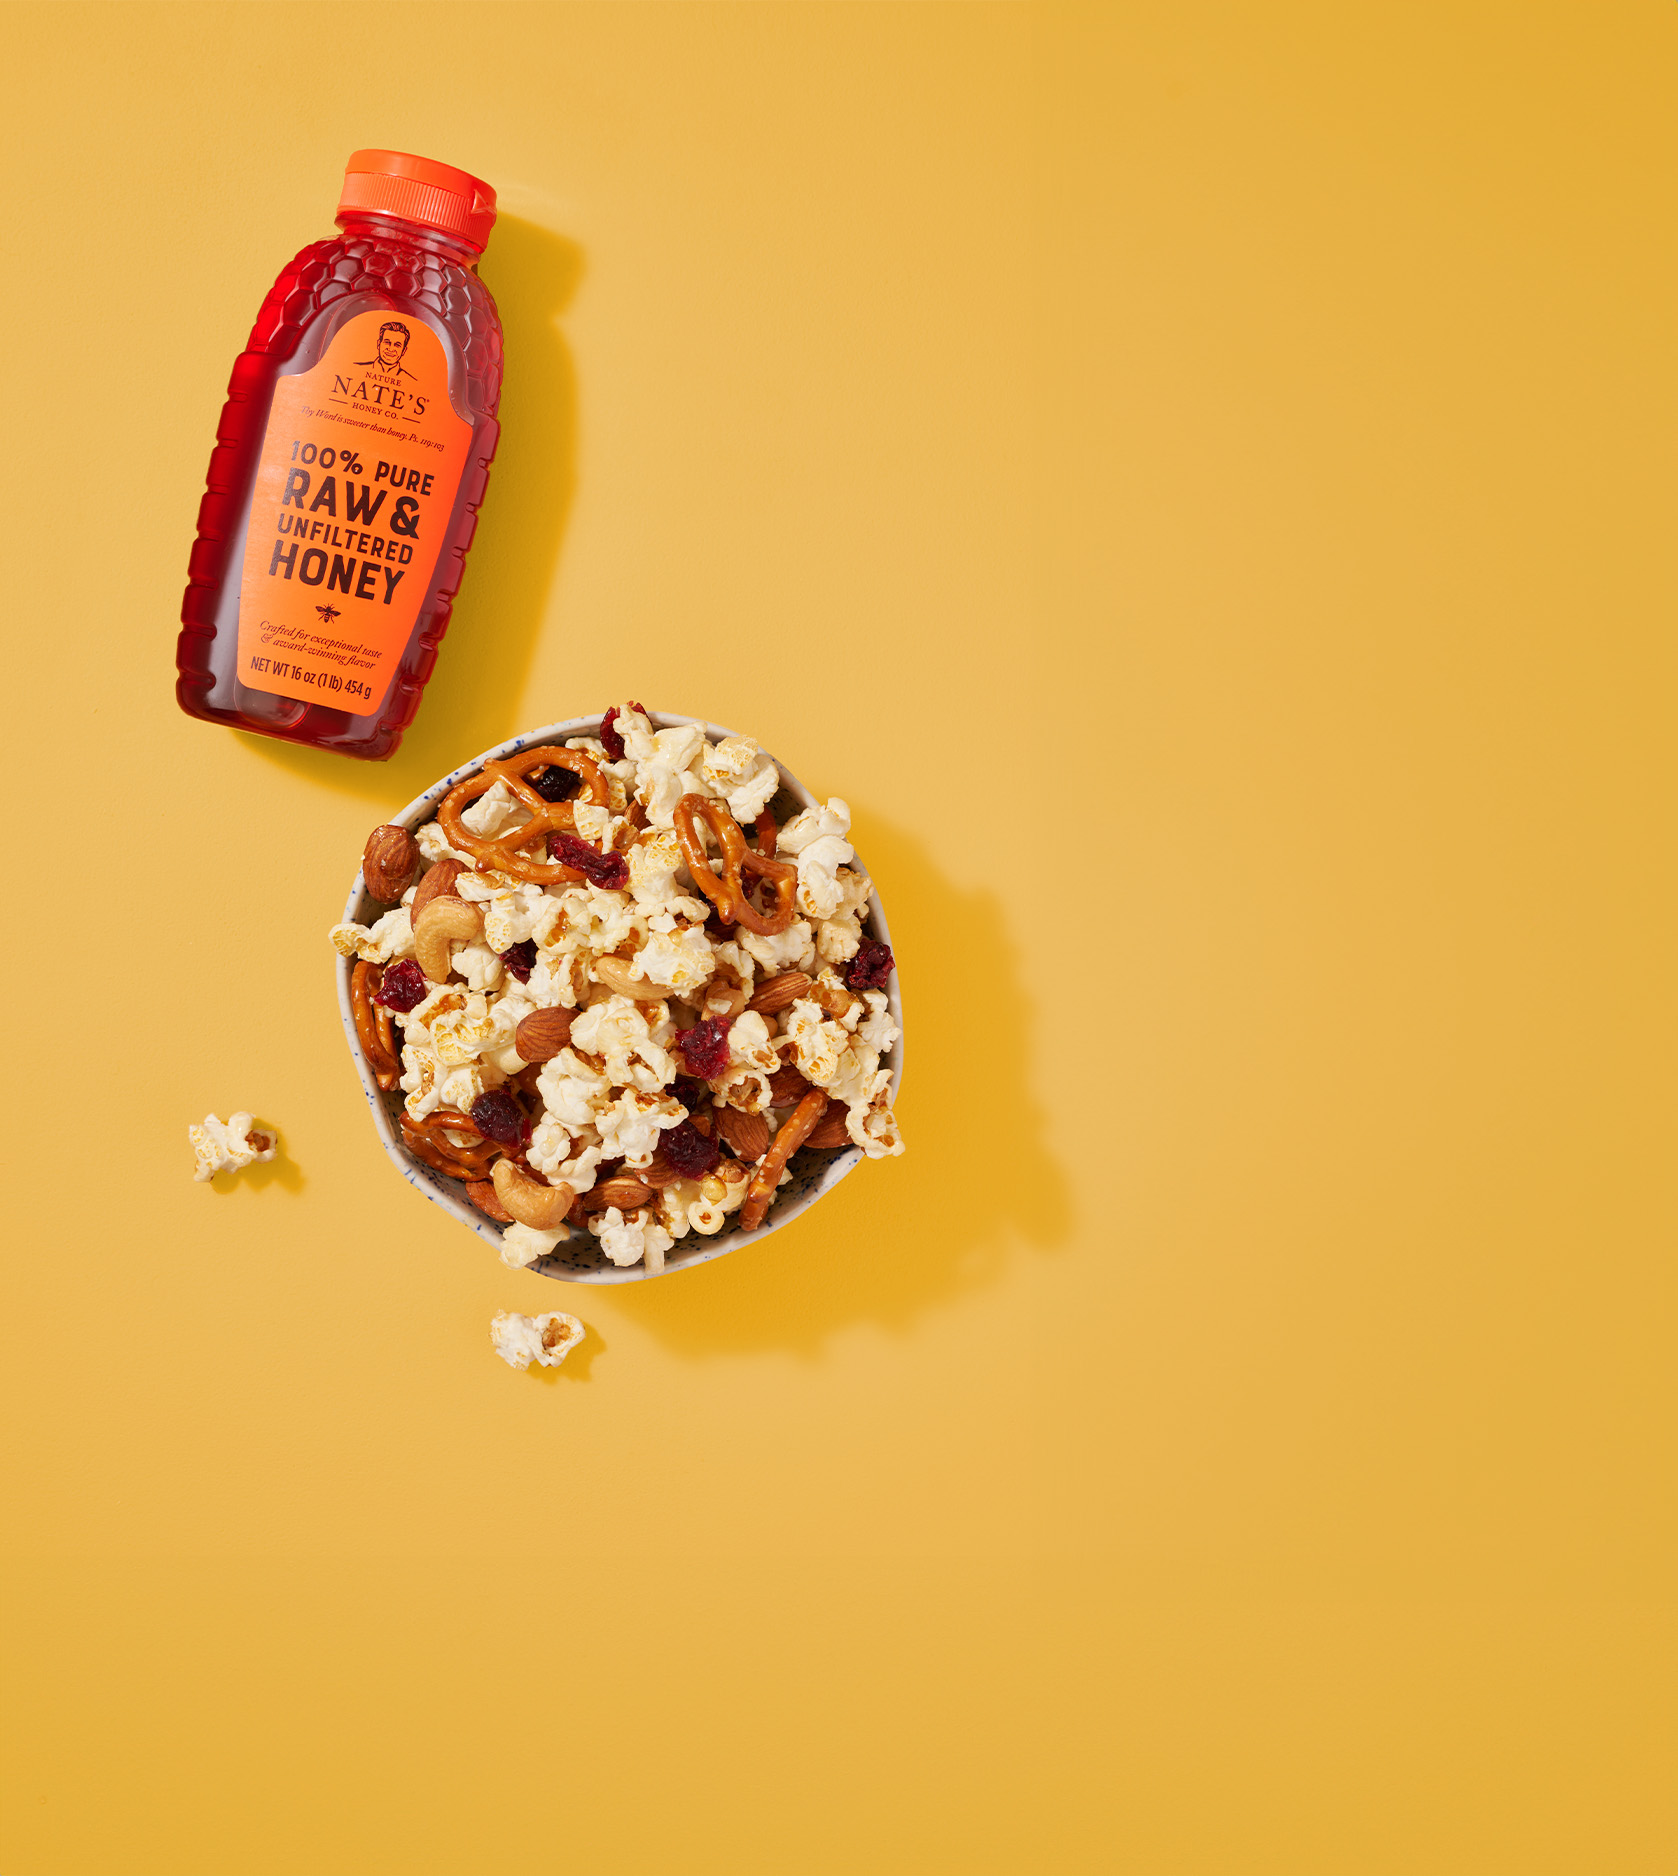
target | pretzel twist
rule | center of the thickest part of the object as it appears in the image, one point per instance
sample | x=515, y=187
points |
x=507, y=853
x=795, y=1130
x=424, y=1138
x=730, y=894
x=373, y=1025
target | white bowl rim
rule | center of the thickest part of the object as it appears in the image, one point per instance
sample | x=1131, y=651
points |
x=688, y=1252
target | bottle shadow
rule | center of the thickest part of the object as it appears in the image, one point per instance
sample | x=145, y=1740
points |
x=473, y=698
x=898, y=1237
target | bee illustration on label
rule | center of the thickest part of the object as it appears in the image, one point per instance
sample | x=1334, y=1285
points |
x=328, y=614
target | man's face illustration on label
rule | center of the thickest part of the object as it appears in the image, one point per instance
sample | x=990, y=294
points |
x=393, y=342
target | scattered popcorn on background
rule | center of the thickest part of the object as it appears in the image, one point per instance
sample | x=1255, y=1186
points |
x=546, y=1340
x=225, y=1148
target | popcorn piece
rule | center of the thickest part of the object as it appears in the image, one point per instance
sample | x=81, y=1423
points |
x=813, y=824
x=598, y=826
x=546, y=1340
x=874, y=1128
x=791, y=950
x=829, y=991
x=654, y=862
x=739, y=771
x=497, y=810
x=838, y=939
x=744, y=1088
x=703, y=1205
x=732, y=957
x=627, y=1036
x=749, y=1042
x=630, y=1125
x=664, y=764
x=386, y=938
x=632, y=1239
x=559, y=981
x=478, y=964
x=505, y=1014
x=480, y=886
x=877, y=1029
x=434, y=846
x=565, y=1157
x=460, y=1036
x=515, y=914
x=857, y=1076
x=522, y=1245
x=226, y=1148
x=680, y=960
x=839, y=934
x=817, y=840
x=430, y=1084
x=817, y=1044
x=620, y=776
x=572, y=1090
x=595, y=919
x=720, y=1193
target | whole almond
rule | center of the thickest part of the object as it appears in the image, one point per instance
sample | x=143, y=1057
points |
x=627, y=1195
x=830, y=1130
x=786, y=1087
x=748, y=1134
x=659, y=1173
x=543, y=1033
x=440, y=879
x=388, y=862
x=482, y=1194
x=777, y=992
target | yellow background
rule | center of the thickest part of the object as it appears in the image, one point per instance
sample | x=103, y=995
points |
x=1199, y=481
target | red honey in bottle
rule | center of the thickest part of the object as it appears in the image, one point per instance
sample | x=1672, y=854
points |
x=351, y=457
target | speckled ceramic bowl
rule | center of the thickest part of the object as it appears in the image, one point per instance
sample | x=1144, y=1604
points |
x=580, y=1259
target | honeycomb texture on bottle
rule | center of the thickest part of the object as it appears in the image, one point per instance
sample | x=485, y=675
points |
x=326, y=271
x=409, y=274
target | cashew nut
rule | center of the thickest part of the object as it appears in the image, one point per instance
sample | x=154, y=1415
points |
x=442, y=925
x=616, y=975
x=531, y=1201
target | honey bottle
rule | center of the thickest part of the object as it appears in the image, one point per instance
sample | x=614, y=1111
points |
x=350, y=461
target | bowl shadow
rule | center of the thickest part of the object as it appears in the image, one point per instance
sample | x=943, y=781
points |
x=473, y=699
x=977, y=1183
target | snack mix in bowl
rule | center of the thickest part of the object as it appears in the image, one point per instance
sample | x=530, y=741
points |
x=627, y=976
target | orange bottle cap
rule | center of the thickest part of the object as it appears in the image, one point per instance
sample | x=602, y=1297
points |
x=413, y=188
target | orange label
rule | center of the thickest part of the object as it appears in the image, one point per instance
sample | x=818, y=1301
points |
x=360, y=465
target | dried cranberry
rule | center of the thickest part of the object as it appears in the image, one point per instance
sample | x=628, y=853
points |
x=497, y=1116
x=555, y=783
x=521, y=959
x=871, y=966
x=404, y=986
x=687, y=1149
x=704, y=1047
x=605, y=869
x=609, y=736
x=692, y=1093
